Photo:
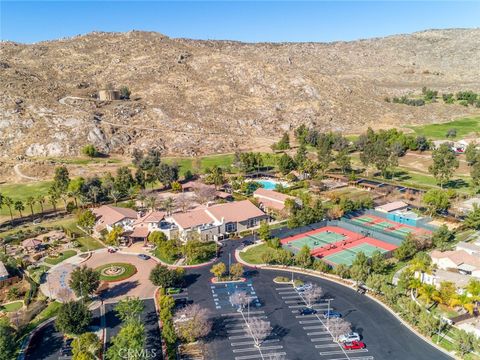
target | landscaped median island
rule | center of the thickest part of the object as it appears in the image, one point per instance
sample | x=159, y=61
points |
x=59, y=257
x=116, y=271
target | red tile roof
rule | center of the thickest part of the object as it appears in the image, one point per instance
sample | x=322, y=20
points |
x=109, y=215
x=235, y=211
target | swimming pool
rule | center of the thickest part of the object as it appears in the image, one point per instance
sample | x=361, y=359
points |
x=269, y=184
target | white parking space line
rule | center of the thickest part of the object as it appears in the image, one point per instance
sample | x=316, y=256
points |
x=319, y=333
x=236, y=331
x=256, y=356
x=238, y=337
x=291, y=297
x=240, y=314
x=234, y=325
x=313, y=321
x=325, y=346
x=321, y=339
x=252, y=342
x=314, y=327
x=341, y=352
x=263, y=348
x=306, y=316
x=284, y=288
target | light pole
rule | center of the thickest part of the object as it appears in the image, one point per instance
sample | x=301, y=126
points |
x=229, y=262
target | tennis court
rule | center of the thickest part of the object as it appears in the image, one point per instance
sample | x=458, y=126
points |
x=380, y=224
x=324, y=237
x=346, y=256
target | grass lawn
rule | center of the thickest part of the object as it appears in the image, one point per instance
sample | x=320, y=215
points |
x=129, y=270
x=254, y=254
x=88, y=243
x=157, y=253
x=13, y=306
x=463, y=126
x=64, y=255
x=22, y=192
x=86, y=160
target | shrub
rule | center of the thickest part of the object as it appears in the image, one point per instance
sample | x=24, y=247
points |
x=90, y=151
x=281, y=279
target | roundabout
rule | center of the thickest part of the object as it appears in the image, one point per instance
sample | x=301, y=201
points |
x=116, y=271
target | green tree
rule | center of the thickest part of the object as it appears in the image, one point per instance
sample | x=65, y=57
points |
x=218, y=270
x=215, y=176
x=375, y=282
x=343, y=161
x=9, y=204
x=86, y=346
x=125, y=93
x=444, y=163
x=73, y=318
x=303, y=257
x=428, y=324
x=407, y=249
x=129, y=309
x=19, y=207
x=157, y=238
x=283, y=143
x=465, y=342
x=131, y=337
x=475, y=174
x=84, y=281
x=7, y=345
x=113, y=235
x=31, y=202
x=436, y=200
x=264, y=232
x=324, y=156
x=86, y=219
x=472, y=153
x=442, y=238
x=236, y=270
x=285, y=164
x=164, y=277
x=472, y=220
x=378, y=262
x=90, y=151
x=360, y=268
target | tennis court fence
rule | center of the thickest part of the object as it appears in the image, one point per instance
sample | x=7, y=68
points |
x=389, y=237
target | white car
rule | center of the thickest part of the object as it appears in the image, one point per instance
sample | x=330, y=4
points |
x=307, y=286
x=353, y=336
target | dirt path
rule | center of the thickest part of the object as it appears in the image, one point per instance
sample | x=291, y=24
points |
x=17, y=171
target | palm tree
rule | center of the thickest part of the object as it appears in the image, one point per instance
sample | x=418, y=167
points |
x=115, y=195
x=168, y=205
x=142, y=197
x=94, y=191
x=64, y=196
x=19, y=207
x=151, y=202
x=216, y=176
x=52, y=199
x=40, y=200
x=9, y=203
x=30, y=202
x=428, y=293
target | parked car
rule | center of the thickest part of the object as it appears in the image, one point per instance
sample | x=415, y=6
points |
x=112, y=249
x=331, y=314
x=354, y=345
x=143, y=256
x=307, y=286
x=307, y=311
x=353, y=336
x=247, y=242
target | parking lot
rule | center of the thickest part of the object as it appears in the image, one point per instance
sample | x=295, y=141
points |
x=315, y=327
x=221, y=294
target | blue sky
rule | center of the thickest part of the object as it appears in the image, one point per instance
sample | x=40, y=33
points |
x=32, y=21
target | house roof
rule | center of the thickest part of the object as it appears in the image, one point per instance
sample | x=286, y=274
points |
x=3, y=270
x=392, y=206
x=458, y=257
x=139, y=232
x=275, y=205
x=470, y=246
x=109, y=215
x=30, y=243
x=223, y=195
x=228, y=212
x=192, y=218
x=151, y=217
x=272, y=195
x=235, y=211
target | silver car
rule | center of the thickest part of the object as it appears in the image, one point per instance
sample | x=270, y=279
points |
x=353, y=336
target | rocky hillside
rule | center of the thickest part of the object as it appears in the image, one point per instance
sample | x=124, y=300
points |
x=191, y=97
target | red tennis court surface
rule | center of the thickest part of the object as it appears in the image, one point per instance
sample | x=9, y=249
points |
x=331, y=239
x=378, y=223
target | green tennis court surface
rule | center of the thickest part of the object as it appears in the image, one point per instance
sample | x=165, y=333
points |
x=382, y=225
x=317, y=240
x=347, y=256
x=365, y=219
x=403, y=230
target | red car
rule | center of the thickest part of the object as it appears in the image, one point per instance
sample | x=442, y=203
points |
x=353, y=345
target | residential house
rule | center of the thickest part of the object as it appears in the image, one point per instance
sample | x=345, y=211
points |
x=110, y=216
x=457, y=260
x=30, y=245
x=471, y=248
x=271, y=201
x=149, y=222
x=214, y=222
x=392, y=206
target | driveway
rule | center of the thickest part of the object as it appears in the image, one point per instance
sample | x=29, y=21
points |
x=138, y=285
